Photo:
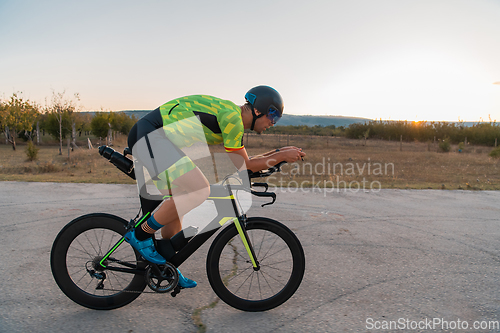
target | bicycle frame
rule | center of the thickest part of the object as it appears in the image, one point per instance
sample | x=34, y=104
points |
x=227, y=210
x=220, y=194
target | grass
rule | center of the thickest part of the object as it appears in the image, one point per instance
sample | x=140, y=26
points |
x=331, y=163
x=416, y=166
x=83, y=166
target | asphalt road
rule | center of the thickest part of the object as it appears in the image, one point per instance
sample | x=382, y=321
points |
x=411, y=257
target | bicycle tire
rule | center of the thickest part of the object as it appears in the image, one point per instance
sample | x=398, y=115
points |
x=270, y=239
x=70, y=257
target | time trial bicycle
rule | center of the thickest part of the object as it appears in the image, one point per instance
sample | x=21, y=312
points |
x=253, y=264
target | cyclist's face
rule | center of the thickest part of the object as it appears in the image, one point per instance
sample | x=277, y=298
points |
x=262, y=123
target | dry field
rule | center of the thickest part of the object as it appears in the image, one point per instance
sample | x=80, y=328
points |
x=336, y=162
x=417, y=166
x=83, y=166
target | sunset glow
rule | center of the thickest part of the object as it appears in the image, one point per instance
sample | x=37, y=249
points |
x=389, y=59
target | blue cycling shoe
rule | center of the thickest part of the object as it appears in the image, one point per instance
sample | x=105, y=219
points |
x=185, y=282
x=146, y=248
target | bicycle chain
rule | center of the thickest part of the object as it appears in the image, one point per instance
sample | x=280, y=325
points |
x=134, y=291
x=129, y=291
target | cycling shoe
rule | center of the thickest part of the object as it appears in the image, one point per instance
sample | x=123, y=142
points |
x=146, y=248
x=185, y=282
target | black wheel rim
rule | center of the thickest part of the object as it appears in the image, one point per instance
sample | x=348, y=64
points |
x=83, y=256
x=275, y=260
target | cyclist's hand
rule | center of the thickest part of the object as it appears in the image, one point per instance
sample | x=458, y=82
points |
x=292, y=155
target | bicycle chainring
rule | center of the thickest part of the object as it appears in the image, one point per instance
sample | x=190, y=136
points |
x=162, y=278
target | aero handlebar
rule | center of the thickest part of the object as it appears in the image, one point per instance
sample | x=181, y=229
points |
x=266, y=173
x=260, y=174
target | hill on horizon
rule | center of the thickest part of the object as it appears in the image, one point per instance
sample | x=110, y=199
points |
x=289, y=119
x=309, y=120
x=300, y=120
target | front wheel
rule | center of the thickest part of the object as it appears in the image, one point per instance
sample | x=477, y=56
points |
x=280, y=256
x=75, y=257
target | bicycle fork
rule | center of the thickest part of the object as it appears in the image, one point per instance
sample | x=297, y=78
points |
x=246, y=242
x=243, y=232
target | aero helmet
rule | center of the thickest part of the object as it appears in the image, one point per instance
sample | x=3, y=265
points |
x=267, y=101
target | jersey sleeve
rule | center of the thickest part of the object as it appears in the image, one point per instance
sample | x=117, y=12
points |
x=232, y=129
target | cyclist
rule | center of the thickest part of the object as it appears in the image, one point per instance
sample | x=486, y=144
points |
x=221, y=121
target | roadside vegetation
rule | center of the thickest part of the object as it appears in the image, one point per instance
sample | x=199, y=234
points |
x=421, y=155
x=407, y=165
x=24, y=121
x=339, y=163
x=480, y=133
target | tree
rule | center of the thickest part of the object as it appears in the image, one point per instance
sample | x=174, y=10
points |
x=62, y=111
x=30, y=131
x=82, y=122
x=3, y=118
x=121, y=122
x=54, y=127
x=103, y=122
x=18, y=115
x=100, y=124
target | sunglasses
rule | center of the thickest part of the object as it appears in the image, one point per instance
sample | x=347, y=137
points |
x=273, y=115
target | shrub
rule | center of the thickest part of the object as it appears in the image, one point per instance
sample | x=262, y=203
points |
x=444, y=145
x=48, y=168
x=495, y=153
x=32, y=151
x=461, y=146
x=100, y=124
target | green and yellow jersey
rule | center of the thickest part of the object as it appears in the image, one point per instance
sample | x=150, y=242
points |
x=220, y=119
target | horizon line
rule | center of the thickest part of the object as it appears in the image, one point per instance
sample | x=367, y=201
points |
x=335, y=116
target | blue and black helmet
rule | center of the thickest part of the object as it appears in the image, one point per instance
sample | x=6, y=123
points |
x=267, y=101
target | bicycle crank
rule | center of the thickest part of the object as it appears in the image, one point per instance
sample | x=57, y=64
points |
x=162, y=278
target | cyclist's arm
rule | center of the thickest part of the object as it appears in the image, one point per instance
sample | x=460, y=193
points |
x=273, y=151
x=242, y=161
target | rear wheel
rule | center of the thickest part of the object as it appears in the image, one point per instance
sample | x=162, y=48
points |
x=75, y=257
x=280, y=256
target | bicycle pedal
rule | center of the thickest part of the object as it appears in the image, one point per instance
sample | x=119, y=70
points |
x=176, y=291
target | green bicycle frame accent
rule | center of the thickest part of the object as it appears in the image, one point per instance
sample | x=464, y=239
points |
x=119, y=243
x=242, y=235
x=246, y=241
x=225, y=220
x=221, y=198
x=242, y=232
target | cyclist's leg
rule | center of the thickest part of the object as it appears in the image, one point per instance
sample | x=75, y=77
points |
x=169, y=232
x=192, y=189
x=187, y=187
x=155, y=152
x=165, y=163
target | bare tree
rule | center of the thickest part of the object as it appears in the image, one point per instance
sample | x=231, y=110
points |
x=62, y=109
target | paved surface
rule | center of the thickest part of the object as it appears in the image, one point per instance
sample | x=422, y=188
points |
x=370, y=257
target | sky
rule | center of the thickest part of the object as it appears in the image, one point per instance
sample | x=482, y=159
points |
x=378, y=59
